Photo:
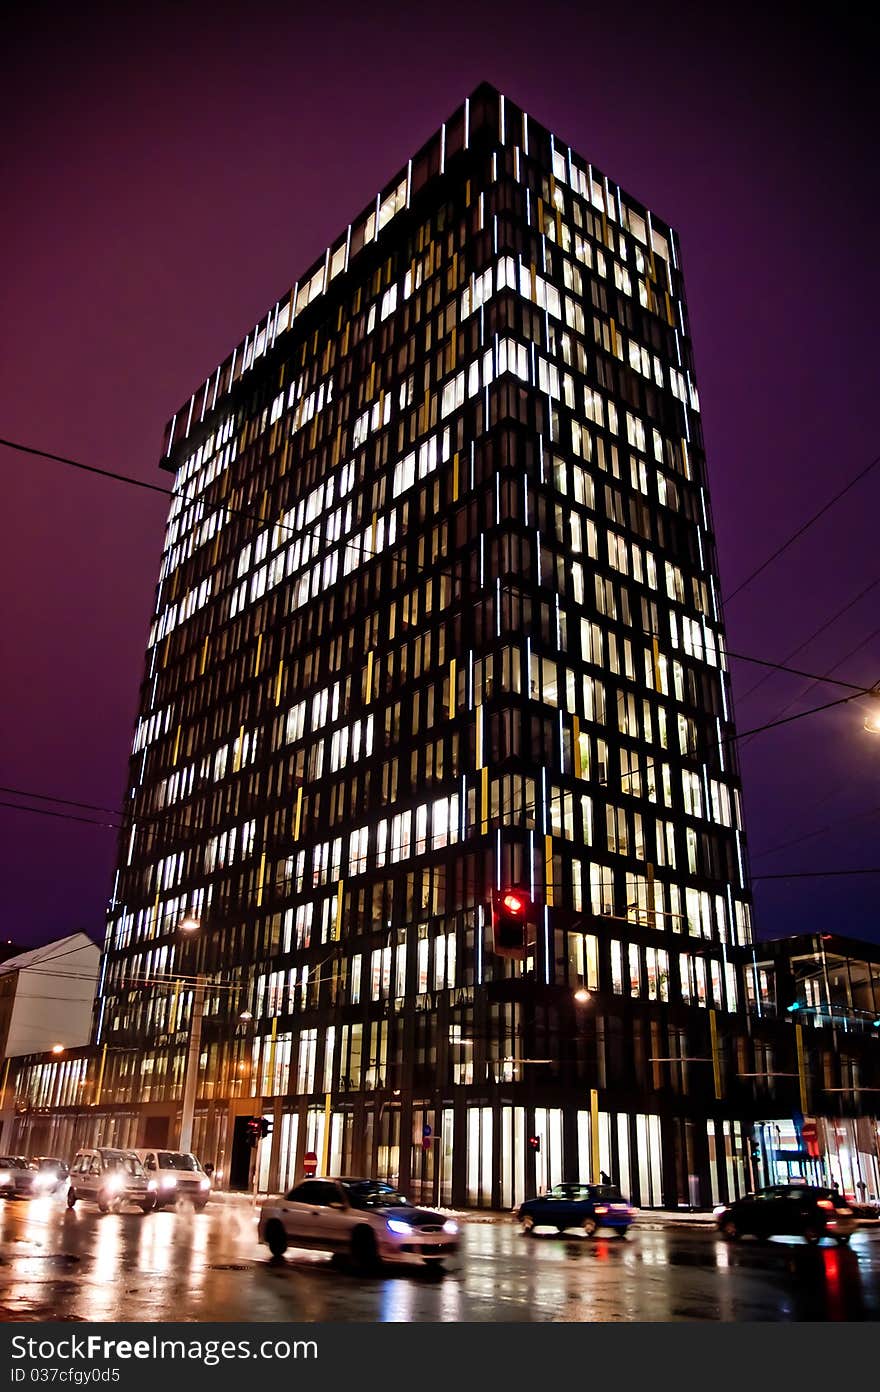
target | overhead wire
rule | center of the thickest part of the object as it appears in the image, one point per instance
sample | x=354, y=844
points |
x=818, y=831
x=816, y=874
x=68, y=802
x=804, y=527
x=810, y=638
x=827, y=676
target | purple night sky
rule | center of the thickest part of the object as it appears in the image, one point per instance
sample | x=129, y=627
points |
x=166, y=178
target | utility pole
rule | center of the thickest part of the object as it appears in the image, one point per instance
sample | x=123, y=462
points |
x=191, y=1077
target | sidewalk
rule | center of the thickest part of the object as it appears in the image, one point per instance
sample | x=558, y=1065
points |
x=645, y=1217
x=674, y=1218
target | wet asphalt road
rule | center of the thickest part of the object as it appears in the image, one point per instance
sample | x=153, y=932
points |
x=208, y=1266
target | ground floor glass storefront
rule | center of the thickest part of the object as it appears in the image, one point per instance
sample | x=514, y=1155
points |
x=486, y=1153
x=844, y=1151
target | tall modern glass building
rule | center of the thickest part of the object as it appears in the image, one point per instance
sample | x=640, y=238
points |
x=438, y=614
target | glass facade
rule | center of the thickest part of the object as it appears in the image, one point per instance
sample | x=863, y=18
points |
x=438, y=612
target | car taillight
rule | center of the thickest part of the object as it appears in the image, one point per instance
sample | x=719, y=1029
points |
x=600, y=1208
x=825, y=1203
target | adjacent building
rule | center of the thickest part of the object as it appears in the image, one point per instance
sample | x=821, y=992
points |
x=439, y=615
x=47, y=996
x=46, y=1003
x=817, y=1033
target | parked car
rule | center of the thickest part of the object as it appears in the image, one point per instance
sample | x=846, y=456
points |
x=110, y=1178
x=17, y=1176
x=585, y=1206
x=865, y=1212
x=360, y=1218
x=788, y=1210
x=51, y=1174
x=178, y=1175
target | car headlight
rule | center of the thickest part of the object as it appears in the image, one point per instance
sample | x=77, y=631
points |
x=168, y=1182
x=5, y=1177
x=204, y=1183
x=718, y=1210
x=397, y=1225
x=450, y=1226
x=151, y=1186
x=115, y=1183
x=45, y=1181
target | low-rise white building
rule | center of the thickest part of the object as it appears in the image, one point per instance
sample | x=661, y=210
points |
x=46, y=996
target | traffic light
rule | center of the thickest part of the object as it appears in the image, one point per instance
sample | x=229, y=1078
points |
x=535, y=1143
x=254, y=1130
x=265, y=1127
x=511, y=918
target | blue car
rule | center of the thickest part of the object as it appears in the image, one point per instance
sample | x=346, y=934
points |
x=584, y=1206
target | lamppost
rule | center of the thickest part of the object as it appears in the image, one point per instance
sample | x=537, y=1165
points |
x=58, y=1051
x=190, y=926
x=583, y=997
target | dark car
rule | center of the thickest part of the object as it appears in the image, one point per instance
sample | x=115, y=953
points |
x=17, y=1176
x=788, y=1210
x=584, y=1206
x=51, y=1174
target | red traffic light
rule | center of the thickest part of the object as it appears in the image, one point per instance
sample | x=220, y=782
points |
x=535, y=1142
x=256, y=1129
x=511, y=915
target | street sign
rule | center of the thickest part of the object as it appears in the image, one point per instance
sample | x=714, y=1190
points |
x=310, y=1163
x=810, y=1134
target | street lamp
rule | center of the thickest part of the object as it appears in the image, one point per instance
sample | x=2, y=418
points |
x=191, y=925
x=872, y=719
x=57, y=1049
x=583, y=996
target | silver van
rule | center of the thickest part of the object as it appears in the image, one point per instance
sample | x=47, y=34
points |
x=178, y=1175
x=110, y=1178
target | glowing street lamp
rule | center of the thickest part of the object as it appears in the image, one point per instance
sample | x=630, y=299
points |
x=190, y=924
x=872, y=719
x=57, y=1049
x=583, y=996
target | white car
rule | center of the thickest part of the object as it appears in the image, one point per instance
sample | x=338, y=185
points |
x=360, y=1218
x=178, y=1175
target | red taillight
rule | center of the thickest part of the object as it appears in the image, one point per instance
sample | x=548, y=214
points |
x=825, y=1203
x=513, y=903
x=600, y=1208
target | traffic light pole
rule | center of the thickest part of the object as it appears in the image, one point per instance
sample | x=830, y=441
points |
x=191, y=1077
x=256, y=1154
